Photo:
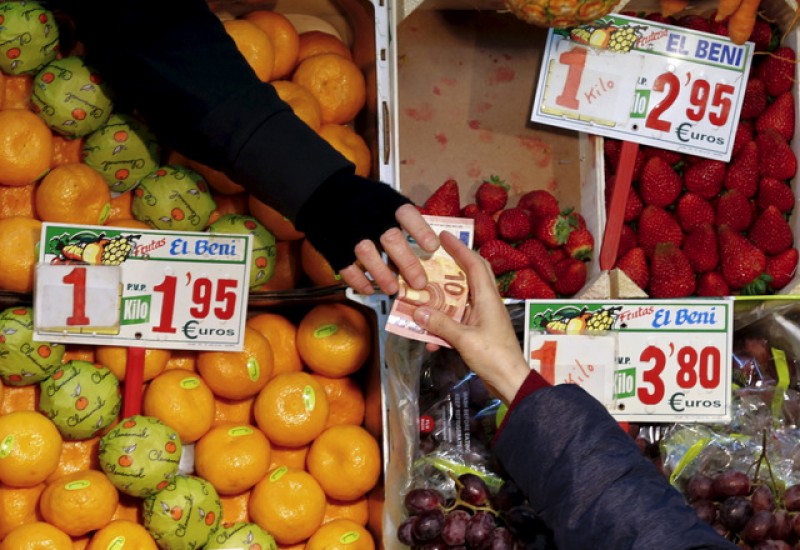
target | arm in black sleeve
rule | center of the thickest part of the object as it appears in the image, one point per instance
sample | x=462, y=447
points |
x=588, y=480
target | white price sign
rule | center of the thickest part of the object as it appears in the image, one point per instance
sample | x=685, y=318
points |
x=645, y=82
x=645, y=360
x=158, y=289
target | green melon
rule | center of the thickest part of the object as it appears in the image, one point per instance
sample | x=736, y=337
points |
x=28, y=37
x=262, y=261
x=184, y=514
x=140, y=455
x=24, y=361
x=242, y=535
x=173, y=197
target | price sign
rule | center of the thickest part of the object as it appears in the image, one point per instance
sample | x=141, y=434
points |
x=158, y=289
x=645, y=82
x=645, y=360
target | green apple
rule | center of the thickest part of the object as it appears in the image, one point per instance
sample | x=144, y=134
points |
x=173, y=197
x=24, y=361
x=262, y=261
x=184, y=514
x=28, y=37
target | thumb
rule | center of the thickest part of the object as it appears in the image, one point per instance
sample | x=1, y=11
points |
x=436, y=322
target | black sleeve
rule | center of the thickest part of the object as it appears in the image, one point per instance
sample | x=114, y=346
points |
x=588, y=480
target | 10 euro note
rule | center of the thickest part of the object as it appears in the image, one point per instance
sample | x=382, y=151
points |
x=447, y=288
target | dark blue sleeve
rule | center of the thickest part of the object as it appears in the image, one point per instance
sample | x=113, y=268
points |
x=588, y=480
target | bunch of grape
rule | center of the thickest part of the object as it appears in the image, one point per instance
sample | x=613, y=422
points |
x=117, y=249
x=623, y=38
x=748, y=513
x=474, y=519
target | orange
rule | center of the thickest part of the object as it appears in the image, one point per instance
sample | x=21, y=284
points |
x=235, y=508
x=319, y=42
x=345, y=400
x=17, y=200
x=37, y=536
x=76, y=456
x=183, y=401
x=235, y=203
x=298, y=546
x=351, y=145
x=254, y=44
x=238, y=411
x=26, y=147
x=287, y=268
x=80, y=543
x=289, y=504
x=291, y=409
x=238, y=374
x=233, y=457
x=182, y=359
x=80, y=502
x=19, y=238
x=375, y=501
x=336, y=82
x=282, y=35
x=66, y=150
x=1, y=395
x=316, y=267
x=279, y=225
x=302, y=102
x=282, y=336
x=121, y=207
x=291, y=457
x=78, y=352
x=73, y=193
x=346, y=460
x=2, y=90
x=122, y=534
x=334, y=339
x=115, y=359
x=20, y=398
x=218, y=181
x=129, y=223
x=18, y=89
x=355, y=510
x=341, y=534
x=18, y=506
x=129, y=508
x=30, y=447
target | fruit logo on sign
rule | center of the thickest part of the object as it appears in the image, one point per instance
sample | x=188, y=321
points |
x=574, y=320
x=89, y=247
x=606, y=36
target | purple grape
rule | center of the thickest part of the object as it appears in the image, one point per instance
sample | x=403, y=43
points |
x=507, y=496
x=405, y=531
x=734, y=512
x=473, y=490
x=731, y=483
x=437, y=544
x=479, y=528
x=523, y=523
x=428, y=526
x=782, y=528
x=772, y=545
x=762, y=499
x=454, y=531
x=791, y=498
x=700, y=487
x=422, y=500
x=758, y=527
x=706, y=510
x=499, y=539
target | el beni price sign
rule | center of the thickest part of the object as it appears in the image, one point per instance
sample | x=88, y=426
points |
x=644, y=82
x=104, y=285
x=644, y=360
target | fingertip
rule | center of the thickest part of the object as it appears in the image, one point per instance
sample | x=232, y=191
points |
x=422, y=316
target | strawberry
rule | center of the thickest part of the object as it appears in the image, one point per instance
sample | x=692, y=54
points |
x=742, y=172
x=656, y=225
x=770, y=232
x=671, y=275
x=514, y=224
x=781, y=268
x=634, y=264
x=553, y=230
x=580, y=244
x=763, y=37
x=694, y=22
x=612, y=149
x=627, y=240
x=776, y=158
x=633, y=204
x=524, y=284
x=540, y=203
x=485, y=228
x=734, y=209
x=743, y=264
x=718, y=27
x=775, y=192
x=670, y=157
x=502, y=256
x=659, y=184
x=779, y=116
x=492, y=195
x=571, y=275
x=777, y=71
x=705, y=177
x=744, y=135
x=445, y=200
x=469, y=210
x=712, y=283
x=700, y=247
x=539, y=259
x=755, y=99
x=693, y=210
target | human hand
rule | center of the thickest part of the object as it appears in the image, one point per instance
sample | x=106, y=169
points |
x=397, y=248
x=485, y=338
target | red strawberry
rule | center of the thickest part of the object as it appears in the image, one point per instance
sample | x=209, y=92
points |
x=485, y=228
x=718, y=27
x=580, y=244
x=656, y=225
x=781, y=268
x=776, y=158
x=700, y=247
x=671, y=157
x=779, y=116
x=613, y=148
x=712, y=283
x=659, y=184
x=470, y=210
x=553, y=230
x=705, y=177
x=627, y=240
x=743, y=264
x=514, y=224
x=744, y=135
x=777, y=71
x=634, y=264
x=755, y=98
x=558, y=254
x=734, y=209
x=770, y=232
x=540, y=203
x=524, y=284
x=762, y=36
x=492, y=195
x=570, y=276
x=539, y=259
x=671, y=275
x=694, y=22
x=774, y=192
x=742, y=172
x=693, y=210
x=503, y=257
x=445, y=200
